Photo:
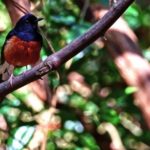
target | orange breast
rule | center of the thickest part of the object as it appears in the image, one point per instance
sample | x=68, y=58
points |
x=21, y=53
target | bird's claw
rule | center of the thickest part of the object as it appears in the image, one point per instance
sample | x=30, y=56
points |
x=11, y=79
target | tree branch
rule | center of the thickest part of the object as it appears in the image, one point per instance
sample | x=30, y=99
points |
x=57, y=59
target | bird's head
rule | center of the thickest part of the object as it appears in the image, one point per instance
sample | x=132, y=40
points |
x=27, y=23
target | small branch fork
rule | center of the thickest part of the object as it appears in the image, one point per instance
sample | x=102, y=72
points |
x=55, y=60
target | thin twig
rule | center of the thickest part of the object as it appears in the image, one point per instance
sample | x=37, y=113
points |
x=21, y=8
x=84, y=10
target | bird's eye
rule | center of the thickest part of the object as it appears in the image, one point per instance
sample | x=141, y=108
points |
x=27, y=21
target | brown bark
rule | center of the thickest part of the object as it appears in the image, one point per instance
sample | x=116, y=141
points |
x=134, y=69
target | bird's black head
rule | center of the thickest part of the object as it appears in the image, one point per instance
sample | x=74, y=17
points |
x=27, y=23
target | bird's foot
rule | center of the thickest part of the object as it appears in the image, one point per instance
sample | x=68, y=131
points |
x=11, y=79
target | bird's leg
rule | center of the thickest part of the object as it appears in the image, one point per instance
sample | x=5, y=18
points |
x=11, y=79
x=10, y=74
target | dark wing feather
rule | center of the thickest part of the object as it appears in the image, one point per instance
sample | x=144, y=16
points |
x=5, y=68
x=9, y=35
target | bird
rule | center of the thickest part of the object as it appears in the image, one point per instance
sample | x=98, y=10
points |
x=21, y=47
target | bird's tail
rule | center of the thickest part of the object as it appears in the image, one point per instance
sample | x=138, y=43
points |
x=5, y=71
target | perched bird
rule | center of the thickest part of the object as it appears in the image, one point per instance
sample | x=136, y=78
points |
x=22, y=46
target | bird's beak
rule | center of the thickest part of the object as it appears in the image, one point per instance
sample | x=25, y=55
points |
x=39, y=19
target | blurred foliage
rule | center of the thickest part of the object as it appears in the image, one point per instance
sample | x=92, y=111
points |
x=82, y=112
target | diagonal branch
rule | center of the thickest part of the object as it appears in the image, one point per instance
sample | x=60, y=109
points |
x=57, y=59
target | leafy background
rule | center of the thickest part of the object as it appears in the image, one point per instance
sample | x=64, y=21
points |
x=99, y=99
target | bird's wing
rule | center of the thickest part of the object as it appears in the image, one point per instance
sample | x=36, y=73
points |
x=5, y=69
x=9, y=35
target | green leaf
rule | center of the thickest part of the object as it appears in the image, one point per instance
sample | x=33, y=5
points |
x=130, y=90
